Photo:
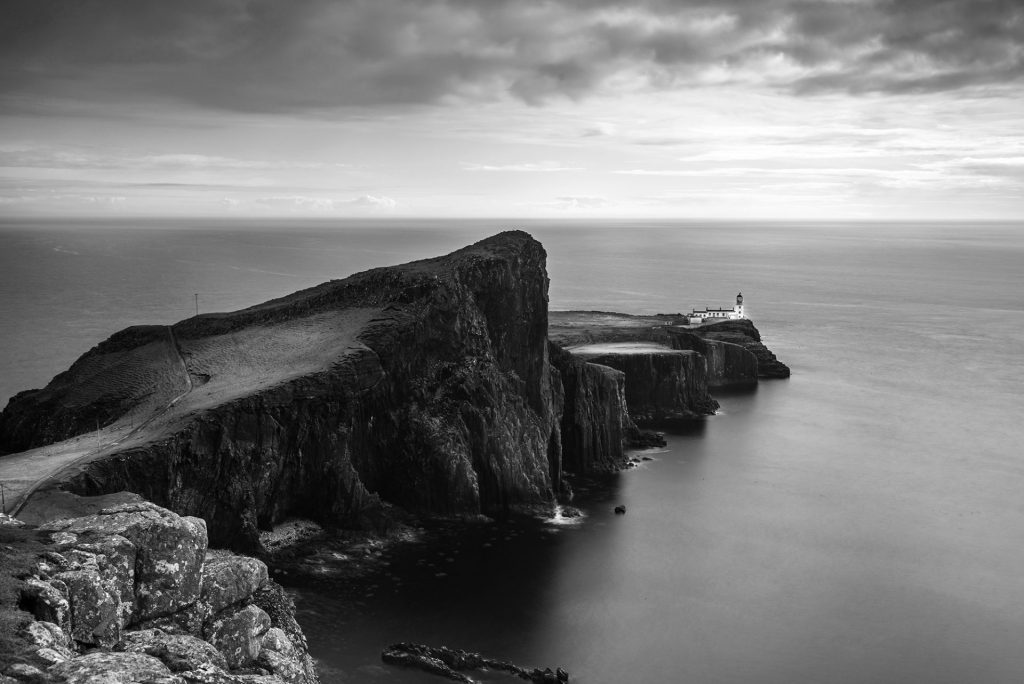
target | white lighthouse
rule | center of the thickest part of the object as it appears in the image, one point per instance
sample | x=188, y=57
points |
x=698, y=316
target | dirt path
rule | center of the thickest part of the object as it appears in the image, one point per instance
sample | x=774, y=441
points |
x=23, y=474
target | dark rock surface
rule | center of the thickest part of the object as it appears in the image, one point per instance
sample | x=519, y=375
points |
x=663, y=386
x=448, y=662
x=743, y=333
x=729, y=364
x=444, y=402
x=594, y=418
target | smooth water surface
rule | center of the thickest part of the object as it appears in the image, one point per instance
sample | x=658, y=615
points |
x=859, y=522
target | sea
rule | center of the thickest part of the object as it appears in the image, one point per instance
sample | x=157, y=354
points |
x=862, y=521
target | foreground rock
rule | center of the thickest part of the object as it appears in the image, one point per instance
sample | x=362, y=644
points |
x=448, y=662
x=132, y=594
x=425, y=387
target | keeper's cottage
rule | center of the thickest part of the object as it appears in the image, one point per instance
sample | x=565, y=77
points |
x=698, y=316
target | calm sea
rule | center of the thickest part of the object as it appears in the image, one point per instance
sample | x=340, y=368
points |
x=862, y=521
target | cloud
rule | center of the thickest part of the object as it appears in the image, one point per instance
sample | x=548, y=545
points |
x=307, y=55
x=41, y=156
x=374, y=202
x=321, y=205
x=570, y=202
x=538, y=167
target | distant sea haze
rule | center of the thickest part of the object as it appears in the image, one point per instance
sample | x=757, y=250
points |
x=859, y=522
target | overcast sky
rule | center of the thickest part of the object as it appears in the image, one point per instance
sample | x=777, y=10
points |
x=651, y=108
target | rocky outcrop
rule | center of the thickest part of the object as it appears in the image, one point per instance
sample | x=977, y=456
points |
x=595, y=421
x=449, y=663
x=425, y=387
x=743, y=333
x=663, y=386
x=735, y=354
x=132, y=594
x=729, y=364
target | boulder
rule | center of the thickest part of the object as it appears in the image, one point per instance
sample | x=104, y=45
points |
x=103, y=667
x=115, y=559
x=188, y=620
x=179, y=652
x=169, y=558
x=49, y=636
x=95, y=611
x=47, y=600
x=288, y=668
x=229, y=579
x=208, y=674
x=23, y=673
x=276, y=640
x=237, y=633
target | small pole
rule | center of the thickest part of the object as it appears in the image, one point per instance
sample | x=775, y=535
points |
x=197, y=303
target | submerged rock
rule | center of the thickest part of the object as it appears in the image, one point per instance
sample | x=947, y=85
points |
x=446, y=662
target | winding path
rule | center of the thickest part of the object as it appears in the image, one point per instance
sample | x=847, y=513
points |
x=11, y=466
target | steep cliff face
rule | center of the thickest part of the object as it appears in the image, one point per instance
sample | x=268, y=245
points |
x=663, y=385
x=594, y=420
x=743, y=333
x=425, y=386
x=729, y=365
x=733, y=352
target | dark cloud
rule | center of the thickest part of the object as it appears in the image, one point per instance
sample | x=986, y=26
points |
x=264, y=55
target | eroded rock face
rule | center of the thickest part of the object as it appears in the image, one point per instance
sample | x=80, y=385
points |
x=663, y=386
x=594, y=417
x=729, y=364
x=743, y=333
x=443, y=402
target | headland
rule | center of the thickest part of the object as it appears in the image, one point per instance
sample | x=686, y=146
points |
x=442, y=387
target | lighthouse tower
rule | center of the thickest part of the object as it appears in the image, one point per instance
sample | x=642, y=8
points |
x=739, y=306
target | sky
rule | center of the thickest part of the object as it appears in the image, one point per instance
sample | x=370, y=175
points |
x=732, y=109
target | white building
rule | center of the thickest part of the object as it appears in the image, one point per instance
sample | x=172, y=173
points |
x=698, y=316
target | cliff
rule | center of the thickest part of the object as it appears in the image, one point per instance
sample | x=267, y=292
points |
x=425, y=387
x=662, y=385
x=133, y=594
x=729, y=364
x=742, y=333
x=595, y=420
x=735, y=354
